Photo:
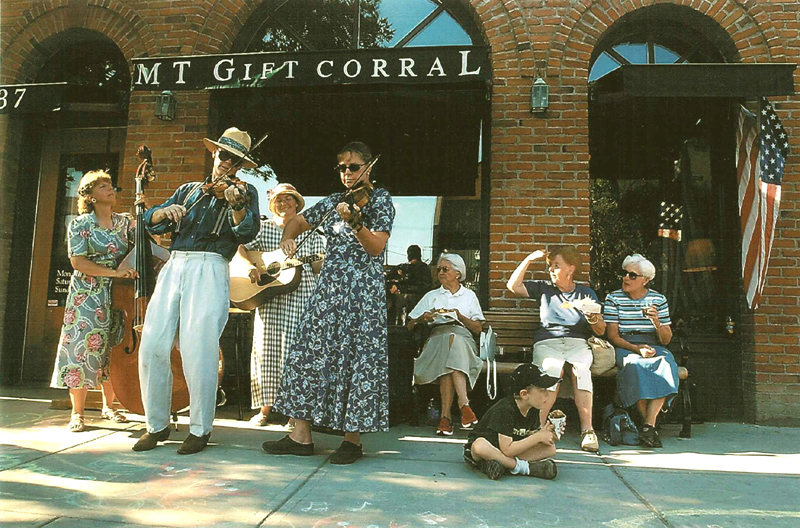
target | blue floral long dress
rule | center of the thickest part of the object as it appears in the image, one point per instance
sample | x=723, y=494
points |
x=337, y=370
x=89, y=329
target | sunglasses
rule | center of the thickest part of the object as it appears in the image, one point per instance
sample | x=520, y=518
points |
x=631, y=275
x=442, y=269
x=353, y=167
x=224, y=155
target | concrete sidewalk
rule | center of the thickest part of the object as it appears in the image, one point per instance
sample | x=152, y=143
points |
x=727, y=475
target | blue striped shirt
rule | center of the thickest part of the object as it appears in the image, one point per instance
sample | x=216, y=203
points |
x=620, y=308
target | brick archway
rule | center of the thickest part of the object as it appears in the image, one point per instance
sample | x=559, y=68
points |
x=26, y=46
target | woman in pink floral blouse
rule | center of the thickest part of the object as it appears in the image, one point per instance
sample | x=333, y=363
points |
x=98, y=239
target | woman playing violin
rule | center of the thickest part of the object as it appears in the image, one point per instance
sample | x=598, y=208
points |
x=98, y=240
x=277, y=318
x=336, y=372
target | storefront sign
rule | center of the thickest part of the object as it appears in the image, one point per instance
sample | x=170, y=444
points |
x=423, y=65
x=27, y=98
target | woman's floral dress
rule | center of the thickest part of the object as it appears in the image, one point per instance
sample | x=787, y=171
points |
x=337, y=370
x=90, y=329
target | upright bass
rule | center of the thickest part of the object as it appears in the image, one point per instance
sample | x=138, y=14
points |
x=131, y=298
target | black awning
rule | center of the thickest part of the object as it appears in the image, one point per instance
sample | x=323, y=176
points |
x=412, y=65
x=695, y=80
x=31, y=98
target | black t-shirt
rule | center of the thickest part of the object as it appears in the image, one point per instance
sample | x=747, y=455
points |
x=504, y=418
x=417, y=278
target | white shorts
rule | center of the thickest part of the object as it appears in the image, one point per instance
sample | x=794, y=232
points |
x=551, y=354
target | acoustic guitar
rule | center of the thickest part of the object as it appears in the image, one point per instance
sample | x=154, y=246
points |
x=278, y=275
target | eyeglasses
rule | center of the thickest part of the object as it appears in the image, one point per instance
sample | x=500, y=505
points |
x=224, y=155
x=442, y=269
x=353, y=167
x=631, y=275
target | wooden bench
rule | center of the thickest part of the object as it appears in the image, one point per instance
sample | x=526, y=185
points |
x=515, y=329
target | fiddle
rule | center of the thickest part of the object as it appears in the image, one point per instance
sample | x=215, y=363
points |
x=218, y=188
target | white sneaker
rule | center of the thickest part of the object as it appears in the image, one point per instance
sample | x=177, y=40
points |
x=589, y=442
x=259, y=419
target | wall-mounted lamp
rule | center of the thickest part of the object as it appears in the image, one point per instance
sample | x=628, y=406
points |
x=166, y=106
x=540, y=96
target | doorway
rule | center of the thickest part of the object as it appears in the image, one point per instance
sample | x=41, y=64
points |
x=66, y=156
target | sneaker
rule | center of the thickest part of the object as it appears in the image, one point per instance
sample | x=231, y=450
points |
x=287, y=446
x=149, y=441
x=193, y=444
x=259, y=419
x=648, y=437
x=492, y=469
x=589, y=442
x=468, y=418
x=347, y=453
x=445, y=427
x=544, y=469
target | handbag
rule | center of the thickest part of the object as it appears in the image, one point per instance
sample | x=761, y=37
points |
x=603, y=354
x=488, y=349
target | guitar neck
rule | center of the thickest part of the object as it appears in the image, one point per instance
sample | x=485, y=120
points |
x=294, y=262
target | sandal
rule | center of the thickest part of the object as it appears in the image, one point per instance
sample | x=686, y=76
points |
x=114, y=415
x=76, y=423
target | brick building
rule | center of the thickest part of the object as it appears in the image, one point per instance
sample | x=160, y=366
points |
x=533, y=178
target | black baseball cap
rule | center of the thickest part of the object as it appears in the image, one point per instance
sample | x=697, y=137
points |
x=529, y=374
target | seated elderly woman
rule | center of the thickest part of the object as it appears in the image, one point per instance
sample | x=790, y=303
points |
x=639, y=328
x=569, y=314
x=450, y=355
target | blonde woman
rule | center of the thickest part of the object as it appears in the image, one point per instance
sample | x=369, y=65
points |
x=98, y=239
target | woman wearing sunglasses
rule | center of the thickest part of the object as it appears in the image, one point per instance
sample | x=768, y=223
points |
x=450, y=355
x=639, y=327
x=337, y=370
x=567, y=321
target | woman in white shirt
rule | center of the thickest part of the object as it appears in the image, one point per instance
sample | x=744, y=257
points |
x=450, y=355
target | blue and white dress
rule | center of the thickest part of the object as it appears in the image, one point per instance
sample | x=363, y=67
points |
x=641, y=378
x=337, y=370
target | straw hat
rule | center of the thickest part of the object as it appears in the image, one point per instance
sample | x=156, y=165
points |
x=285, y=188
x=236, y=142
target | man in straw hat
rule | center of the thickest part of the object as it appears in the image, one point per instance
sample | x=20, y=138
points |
x=191, y=296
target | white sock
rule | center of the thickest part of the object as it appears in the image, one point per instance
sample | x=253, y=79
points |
x=522, y=468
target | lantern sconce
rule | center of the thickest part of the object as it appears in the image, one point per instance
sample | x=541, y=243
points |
x=166, y=106
x=540, y=96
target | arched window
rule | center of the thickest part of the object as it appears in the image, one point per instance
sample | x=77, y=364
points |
x=309, y=25
x=633, y=53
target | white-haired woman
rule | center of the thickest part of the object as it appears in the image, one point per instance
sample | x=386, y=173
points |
x=639, y=327
x=450, y=355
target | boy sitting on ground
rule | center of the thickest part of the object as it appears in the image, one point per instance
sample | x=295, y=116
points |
x=509, y=437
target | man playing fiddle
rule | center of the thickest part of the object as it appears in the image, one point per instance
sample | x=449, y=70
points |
x=190, y=299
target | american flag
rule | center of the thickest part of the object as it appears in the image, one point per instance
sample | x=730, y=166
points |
x=761, y=148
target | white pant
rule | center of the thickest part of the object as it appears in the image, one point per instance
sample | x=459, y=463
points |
x=192, y=291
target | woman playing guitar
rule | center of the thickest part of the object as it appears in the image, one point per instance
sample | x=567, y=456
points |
x=277, y=317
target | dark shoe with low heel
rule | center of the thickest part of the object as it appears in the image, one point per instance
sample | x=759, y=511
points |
x=287, y=446
x=149, y=441
x=347, y=453
x=193, y=444
x=648, y=437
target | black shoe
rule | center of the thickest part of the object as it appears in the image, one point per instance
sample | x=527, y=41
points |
x=544, y=469
x=648, y=437
x=149, y=441
x=193, y=444
x=347, y=453
x=287, y=446
x=492, y=469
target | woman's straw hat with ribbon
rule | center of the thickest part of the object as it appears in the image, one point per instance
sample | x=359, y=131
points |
x=235, y=141
x=285, y=188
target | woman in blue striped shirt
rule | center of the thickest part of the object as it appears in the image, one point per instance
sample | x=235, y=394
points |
x=639, y=327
